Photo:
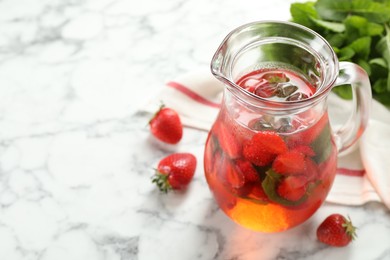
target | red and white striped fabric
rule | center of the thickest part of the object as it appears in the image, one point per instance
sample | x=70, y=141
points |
x=363, y=174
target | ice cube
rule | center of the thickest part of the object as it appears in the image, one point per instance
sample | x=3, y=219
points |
x=285, y=90
x=272, y=123
x=297, y=96
x=249, y=82
x=283, y=125
x=261, y=124
x=266, y=89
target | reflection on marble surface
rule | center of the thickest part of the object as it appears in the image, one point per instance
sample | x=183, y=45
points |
x=76, y=157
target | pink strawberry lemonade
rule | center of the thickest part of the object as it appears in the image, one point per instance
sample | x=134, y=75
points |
x=266, y=176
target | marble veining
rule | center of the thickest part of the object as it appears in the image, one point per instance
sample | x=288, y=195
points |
x=76, y=156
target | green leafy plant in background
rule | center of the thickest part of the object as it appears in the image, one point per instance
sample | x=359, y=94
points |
x=358, y=31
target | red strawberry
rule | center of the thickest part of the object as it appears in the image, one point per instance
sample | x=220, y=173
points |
x=291, y=162
x=306, y=150
x=249, y=172
x=252, y=190
x=258, y=193
x=166, y=125
x=336, y=230
x=216, y=162
x=234, y=178
x=223, y=196
x=175, y=171
x=212, y=153
x=263, y=148
x=308, y=135
x=311, y=171
x=292, y=187
x=228, y=142
x=244, y=190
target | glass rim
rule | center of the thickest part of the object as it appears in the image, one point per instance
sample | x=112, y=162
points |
x=326, y=84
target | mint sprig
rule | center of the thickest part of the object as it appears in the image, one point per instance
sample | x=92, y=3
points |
x=359, y=32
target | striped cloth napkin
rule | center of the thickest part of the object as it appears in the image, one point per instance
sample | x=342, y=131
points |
x=363, y=174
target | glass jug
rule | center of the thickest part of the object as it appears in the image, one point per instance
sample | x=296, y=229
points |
x=270, y=157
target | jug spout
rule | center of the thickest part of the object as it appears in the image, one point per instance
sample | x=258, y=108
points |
x=219, y=65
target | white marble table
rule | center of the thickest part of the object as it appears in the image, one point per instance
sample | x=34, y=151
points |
x=76, y=157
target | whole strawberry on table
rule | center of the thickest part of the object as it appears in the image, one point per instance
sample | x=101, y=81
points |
x=166, y=125
x=336, y=230
x=175, y=171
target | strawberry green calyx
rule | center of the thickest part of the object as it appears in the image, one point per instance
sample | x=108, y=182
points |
x=162, y=105
x=161, y=180
x=350, y=229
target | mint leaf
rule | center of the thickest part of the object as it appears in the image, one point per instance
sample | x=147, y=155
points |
x=387, y=2
x=373, y=11
x=380, y=86
x=358, y=26
x=383, y=47
x=358, y=31
x=336, y=40
x=270, y=186
x=303, y=13
x=331, y=26
x=338, y=10
x=379, y=61
x=343, y=91
x=384, y=99
x=333, y=10
x=374, y=29
x=362, y=47
x=379, y=72
x=345, y=53
x=322, y=145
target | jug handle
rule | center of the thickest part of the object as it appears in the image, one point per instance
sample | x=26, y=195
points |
x=354, y=127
